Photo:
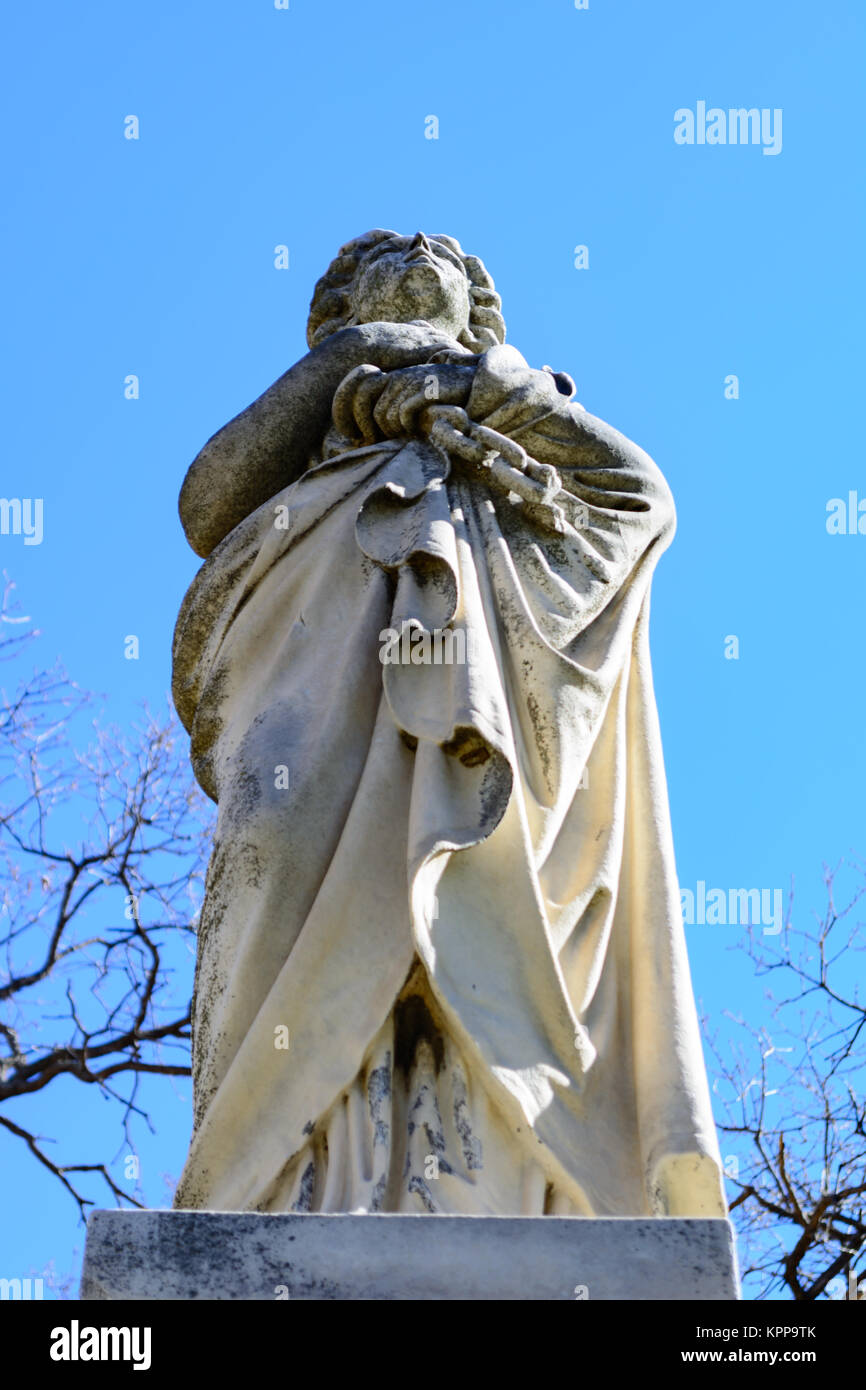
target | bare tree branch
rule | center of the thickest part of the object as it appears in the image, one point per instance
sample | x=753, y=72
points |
x=789, y=1092
x=103, y=844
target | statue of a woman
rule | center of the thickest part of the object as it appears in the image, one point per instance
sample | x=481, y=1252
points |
x=441, y=958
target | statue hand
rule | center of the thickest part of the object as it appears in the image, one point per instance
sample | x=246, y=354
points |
x=370, y=404
x=407, y=392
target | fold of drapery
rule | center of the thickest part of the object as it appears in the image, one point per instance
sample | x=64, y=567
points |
x=502, y=819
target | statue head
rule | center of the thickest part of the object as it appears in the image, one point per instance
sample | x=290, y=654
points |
x=384, y=276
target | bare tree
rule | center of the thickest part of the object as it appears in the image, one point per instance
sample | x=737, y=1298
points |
x=791, y=1093
x=103, y=841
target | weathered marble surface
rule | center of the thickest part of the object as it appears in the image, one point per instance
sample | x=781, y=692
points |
x=441, y=962
x=225, y=1255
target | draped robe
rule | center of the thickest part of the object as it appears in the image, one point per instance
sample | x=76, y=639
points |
x=441, y=958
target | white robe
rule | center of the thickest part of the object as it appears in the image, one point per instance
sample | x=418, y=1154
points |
x=462, y=913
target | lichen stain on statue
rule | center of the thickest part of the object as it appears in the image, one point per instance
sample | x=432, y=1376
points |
x=441, y=963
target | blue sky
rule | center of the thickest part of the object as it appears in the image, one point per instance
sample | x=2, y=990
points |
x=261, y=127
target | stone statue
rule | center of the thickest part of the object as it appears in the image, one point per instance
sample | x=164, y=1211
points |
x=441, y=963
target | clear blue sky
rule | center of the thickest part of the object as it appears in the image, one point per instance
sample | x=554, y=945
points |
x=304, y=127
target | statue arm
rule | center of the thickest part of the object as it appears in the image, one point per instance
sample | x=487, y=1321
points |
x=268, y=446
x=527, y=406
x=594, y=452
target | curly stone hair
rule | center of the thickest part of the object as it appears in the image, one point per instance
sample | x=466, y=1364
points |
x=331, y=305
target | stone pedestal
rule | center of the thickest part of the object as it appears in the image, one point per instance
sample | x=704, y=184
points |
x=184, y=1255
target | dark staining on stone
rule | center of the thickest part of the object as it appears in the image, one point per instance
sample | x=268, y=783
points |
x=435, y=1136
x=251, y=861
x=419, y=1185
x=414, y=969
x=377, y=1196
x=205, y=729
x=236, y=859
x=304, y=1200
x=246, y=789
x=436, y=574
x=210, y=984
x=309, y=1289
x=427, y=1100
x=512, y=617
x=378, y=1098
x=205, y=773
x=410, y=740
x=203, y=1097
x=436, y=1140
x=467, y=745
x=368, y=569
x=557, y=552
x=413, y=1024
x=246, y=794
x=495, y=791
x=472, y=1152
x=539, y=724
x=309, y=1127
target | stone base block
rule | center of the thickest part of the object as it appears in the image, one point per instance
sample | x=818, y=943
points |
x=186, y=1255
